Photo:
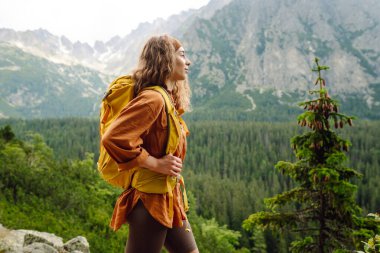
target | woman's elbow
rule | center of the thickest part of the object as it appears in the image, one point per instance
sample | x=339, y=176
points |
x=106, y=139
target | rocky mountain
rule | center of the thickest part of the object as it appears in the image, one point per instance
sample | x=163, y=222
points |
x=116, y=56
x=265, y=49
x=32, y=86
x=250, y=58
x=43, y=75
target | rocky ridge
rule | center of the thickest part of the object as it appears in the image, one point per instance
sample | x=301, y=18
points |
x=254, y=44
x=250, y=56
x=116, y=56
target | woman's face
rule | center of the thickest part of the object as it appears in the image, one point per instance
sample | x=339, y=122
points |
x=181, y=65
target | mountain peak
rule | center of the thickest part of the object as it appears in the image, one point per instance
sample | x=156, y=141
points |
x=247, y=55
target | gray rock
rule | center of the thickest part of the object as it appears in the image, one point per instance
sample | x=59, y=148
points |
x=10, y=241
x=17, y=241
x=31, y=237
x=38, y=247
x=76, y=244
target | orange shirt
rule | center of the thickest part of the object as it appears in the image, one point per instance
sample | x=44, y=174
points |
x=139, y=131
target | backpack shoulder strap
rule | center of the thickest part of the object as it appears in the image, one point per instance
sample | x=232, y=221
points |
x=168, y=102
x=172, y=120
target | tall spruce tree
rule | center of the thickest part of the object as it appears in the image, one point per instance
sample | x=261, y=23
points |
x=321, y=208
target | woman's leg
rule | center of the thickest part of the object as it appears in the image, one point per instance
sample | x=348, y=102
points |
x=180, y=240
x=146, y=235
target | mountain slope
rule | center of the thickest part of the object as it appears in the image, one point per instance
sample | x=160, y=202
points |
x=263, y=47
x=116, y=56
x=251, y=58
x=34, y=87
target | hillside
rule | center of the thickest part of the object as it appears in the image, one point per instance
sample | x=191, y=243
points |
x=32, y=86
x=263, y=50
x=229, y=169
x=251, y=60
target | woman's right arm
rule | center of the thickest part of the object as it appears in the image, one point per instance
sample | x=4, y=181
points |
x=123, y=141
x=168, y=165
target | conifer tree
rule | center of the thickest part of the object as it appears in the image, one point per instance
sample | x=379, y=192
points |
x=321, y=208
x=6, y=133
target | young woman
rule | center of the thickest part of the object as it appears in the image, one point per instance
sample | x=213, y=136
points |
x=137, y=138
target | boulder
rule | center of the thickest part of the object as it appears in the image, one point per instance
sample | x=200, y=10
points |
x=10, y=241
x=78, y=243
x=32, y=236
x=30, y=241
x=38, y=247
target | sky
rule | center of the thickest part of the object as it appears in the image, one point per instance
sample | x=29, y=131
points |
x=88, y=20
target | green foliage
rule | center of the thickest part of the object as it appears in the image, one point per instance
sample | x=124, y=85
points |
x=6, y=133
x=303, y=245
x=217, y=238
x=373, y=244
x=210, y=236
x=258, y=241
x=67, y=199
x=321, y=207
x=70, y=138
x=229, y=181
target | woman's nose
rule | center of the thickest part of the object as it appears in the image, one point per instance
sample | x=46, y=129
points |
x=188, y=62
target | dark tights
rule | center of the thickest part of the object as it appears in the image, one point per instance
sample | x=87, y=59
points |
x=146, y=235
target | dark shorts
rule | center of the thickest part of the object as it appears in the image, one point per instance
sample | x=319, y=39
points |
x=146, y=235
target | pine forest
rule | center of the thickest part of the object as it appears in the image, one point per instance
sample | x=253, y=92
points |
x=253, y=186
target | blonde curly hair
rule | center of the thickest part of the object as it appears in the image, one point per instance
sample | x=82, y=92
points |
x=156, y=65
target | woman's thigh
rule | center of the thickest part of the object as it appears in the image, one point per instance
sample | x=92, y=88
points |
x=146, y=235
x=180, y=240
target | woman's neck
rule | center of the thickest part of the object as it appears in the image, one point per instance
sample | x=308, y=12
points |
x=170, y=85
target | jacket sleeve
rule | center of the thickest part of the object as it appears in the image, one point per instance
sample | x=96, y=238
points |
x=123, y=139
